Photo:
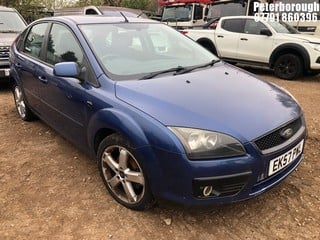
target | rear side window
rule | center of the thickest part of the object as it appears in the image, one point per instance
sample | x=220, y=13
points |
x=34, y=40
x=233, y=25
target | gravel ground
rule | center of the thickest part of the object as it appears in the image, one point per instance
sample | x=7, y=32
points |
x=51, y=190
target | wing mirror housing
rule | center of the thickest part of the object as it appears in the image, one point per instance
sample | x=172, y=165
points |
x=66, y=69
x=266, y=32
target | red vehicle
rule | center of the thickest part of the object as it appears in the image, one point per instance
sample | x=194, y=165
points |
x=192, y=13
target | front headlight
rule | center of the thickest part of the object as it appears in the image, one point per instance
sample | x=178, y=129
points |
x=201, y=144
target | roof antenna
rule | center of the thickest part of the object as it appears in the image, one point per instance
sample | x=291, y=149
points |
x=124, y=16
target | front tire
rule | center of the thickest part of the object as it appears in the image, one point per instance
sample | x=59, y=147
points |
x=288, y=66
x=123, y=174
x=21, y=106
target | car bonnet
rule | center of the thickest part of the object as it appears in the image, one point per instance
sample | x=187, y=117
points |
x=7, y=38
x=222, y=98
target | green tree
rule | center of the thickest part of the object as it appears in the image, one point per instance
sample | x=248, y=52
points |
x=150, y=5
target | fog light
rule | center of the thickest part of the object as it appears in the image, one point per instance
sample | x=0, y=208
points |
x=207, y=190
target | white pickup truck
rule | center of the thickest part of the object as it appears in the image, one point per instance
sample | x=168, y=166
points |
x=269, y=43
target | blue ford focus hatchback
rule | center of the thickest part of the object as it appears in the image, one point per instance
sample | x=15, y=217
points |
x=162, y=116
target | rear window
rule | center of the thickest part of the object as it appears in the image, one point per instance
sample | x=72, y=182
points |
x=233, y=25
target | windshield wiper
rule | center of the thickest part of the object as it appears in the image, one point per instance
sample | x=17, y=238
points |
x=190, y=69
x=154, y=74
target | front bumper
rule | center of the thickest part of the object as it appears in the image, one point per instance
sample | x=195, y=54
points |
x=178, y=179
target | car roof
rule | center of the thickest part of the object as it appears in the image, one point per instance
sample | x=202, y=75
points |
x=91, y=19
x=112, y=8
x=110, y=11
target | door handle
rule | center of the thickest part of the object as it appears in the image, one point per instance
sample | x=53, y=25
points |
x=220, y=36
x=244, y=39
x=43, y=79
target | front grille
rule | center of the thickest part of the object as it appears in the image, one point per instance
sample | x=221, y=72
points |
x=4, y=52
x=274, y=138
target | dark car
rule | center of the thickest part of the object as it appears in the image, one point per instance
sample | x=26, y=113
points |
x=11, y=24
x=162, y=116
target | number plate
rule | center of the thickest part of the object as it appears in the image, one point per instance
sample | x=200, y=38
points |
x=285, y=159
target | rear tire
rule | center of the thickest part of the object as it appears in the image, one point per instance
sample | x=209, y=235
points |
x=288, y=66
x=21, y=106
x=123, y=175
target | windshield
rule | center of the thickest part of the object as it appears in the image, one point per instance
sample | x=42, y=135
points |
x=11, y=22
x=227, y=9
x=133, y=50
x=177, y=13
x=282, y=27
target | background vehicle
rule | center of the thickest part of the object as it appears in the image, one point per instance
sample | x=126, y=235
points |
x=195, y=13
x=11, y=24
x=191, y=13
x=110, y=86
x=239, y=39
x=100, y=10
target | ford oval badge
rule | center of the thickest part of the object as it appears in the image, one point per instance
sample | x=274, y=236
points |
x=286, y=133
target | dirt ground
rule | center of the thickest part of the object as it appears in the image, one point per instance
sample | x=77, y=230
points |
x=51, y=190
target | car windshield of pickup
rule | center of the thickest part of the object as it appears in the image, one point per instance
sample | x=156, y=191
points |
x=135, y=50
x=177, y=13
x=11, y=22
x=282, y=27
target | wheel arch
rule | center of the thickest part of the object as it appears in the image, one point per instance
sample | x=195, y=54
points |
x=208, y=44
x=106, y=122
x=291, y=48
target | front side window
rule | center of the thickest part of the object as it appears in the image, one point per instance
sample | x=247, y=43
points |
x=62, y=46
x=34, y=40
x=253, y=27
x=234, y=25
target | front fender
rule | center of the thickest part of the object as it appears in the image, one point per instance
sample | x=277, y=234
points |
x=116, y=121
x=290, y=48
x=153, y=142
x=138, y=128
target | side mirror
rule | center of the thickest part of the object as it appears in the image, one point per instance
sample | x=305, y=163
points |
x=66, y=69
x=265, y=32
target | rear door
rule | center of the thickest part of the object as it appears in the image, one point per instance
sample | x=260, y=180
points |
x=27, y=63
x=227, y=37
